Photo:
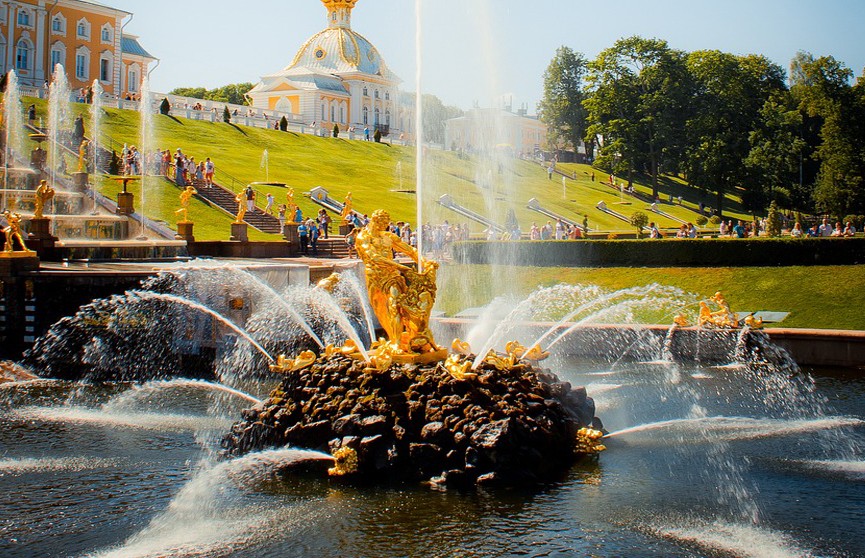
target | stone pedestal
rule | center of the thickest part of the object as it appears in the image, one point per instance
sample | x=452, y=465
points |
x=41, y=229
x=289, y=233
x=239, y=232
x=345, y=228
x=184, y=231
x=79, y=180
x=125, y=203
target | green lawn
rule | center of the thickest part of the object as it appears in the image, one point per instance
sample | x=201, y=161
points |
x=823, y=297
x=378, y=175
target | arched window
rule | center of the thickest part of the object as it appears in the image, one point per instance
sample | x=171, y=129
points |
x=58, y=25
x=387, y=95
x=365, y=91
x=332, y=112
x=376, y=93
x=23, y=55
x=24, y=17
x=377, y=117
x=342, y=113
x=107, y=33
x=365, y=116
x=2, y=49
x=387, y=118
x=322, y=112
x=82, y=29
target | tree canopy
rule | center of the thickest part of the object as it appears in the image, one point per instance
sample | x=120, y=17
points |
x=233, y=93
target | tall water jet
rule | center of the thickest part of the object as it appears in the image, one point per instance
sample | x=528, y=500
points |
x=145, y=107
x=419, y=127
x=58, y=115
x=96, y=122
x=14, y=128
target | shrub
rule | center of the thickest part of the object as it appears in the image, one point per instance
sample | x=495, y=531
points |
x=377, y=136
x=164, y=106
x=283, y=124
x=638, y=221
x=336, y=130
x=226, y=115
x=715, y=220
x=701, y=220
x=773, y=220
x=855, y=219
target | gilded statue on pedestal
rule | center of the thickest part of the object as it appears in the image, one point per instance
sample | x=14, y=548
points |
x=13, y=233
x=82, y=156
x=346, y=208
x=185, y=197
x=241, y=208
x=43, y=194
x=401, y=297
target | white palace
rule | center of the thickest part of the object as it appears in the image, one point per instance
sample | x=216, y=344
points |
x=337, y=77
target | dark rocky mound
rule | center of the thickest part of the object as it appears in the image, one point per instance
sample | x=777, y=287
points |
x=415, y=423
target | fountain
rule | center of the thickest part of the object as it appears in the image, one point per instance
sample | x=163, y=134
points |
x=718, y=443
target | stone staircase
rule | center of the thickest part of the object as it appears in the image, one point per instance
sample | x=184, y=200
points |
x=224, y=199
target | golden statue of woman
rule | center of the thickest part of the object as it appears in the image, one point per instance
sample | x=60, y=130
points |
x=401, y=298
x=43, y=194
x=290, y=207
x=185, y=197
x=241, y=207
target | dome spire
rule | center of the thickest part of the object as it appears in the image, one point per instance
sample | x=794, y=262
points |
x=339, y=12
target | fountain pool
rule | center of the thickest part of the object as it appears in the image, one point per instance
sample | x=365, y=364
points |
x=117, y=470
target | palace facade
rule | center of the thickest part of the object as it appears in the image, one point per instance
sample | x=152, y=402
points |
x=86, y=37
x=337, y=77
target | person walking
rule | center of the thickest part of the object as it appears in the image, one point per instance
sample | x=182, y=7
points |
x=250, y=198
x=312, y=226
x=303, y=235
x=209, y=168
x=269, y=207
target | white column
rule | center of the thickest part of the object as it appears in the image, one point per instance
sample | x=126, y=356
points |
x=39, y=47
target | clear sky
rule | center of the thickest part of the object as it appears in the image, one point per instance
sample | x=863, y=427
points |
x=480, y=50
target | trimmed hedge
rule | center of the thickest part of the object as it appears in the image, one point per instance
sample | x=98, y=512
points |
x=665, y=253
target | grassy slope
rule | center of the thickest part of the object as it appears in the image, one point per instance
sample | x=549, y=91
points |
x=816, y=296
x=376, y=174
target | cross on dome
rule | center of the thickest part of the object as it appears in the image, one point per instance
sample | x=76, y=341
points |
x=339, y=12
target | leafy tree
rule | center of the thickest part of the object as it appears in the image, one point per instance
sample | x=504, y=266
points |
x=731, y=90
x=773, y=220
x=234, y=93
x=639, y=94
x=561, y=107
x=776, y=152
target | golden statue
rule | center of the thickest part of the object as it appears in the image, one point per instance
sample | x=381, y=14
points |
x=346, y=208
x=721, y=318
x=401, y=297
x=13, y=232
x=82, y=153
x=185, y=197
x=290, y=206
x=43, y=194
x=241, y=208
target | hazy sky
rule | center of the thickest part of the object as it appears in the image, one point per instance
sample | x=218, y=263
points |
x=479, y=50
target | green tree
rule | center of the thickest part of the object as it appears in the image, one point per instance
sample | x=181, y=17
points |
x=773, y=220
x=730, y=92
x=776, y=152
x=639, y=95
x=639, y=220
x=435, y=114
x=234, y=93
x=561, y=107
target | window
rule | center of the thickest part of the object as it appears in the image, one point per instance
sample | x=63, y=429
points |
x=82, y=64
x=107, y=33
x=387, y=118
x=365, y=91
x=58, y=25
x=332, y=113
x=377, y=117
x=376, y=93
x=23, y=55
x=365, y=115
x=132, y=79
x=24, y=17
x=58, y=56
x=322, y=113
x=105, y=68
x=83, y=29
x=342, y=114
x=387, y=95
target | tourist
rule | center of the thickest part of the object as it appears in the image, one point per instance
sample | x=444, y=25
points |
x=739, y=230
x=838, y=231
x=250, y=198
x=692, y=230
x=303, y=234
x=31, y=114
x=209, y=168
x=653, y=231
x=682, y=232
x=298, y=214
x=312, y=227
x=178, y=168
x=723, y=228
x=199, y=172
x=547, y=231
x=365, y=132
x=550, y=172
x=350, y=239
x=796, y=232
x=534, y=232
x=325, y=220
x=825, y=229
x=281, y=216
x=849, y=230
x=269, y=207
x=560, y=230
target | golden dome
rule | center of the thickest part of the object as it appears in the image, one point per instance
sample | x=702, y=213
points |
x=336, y=4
